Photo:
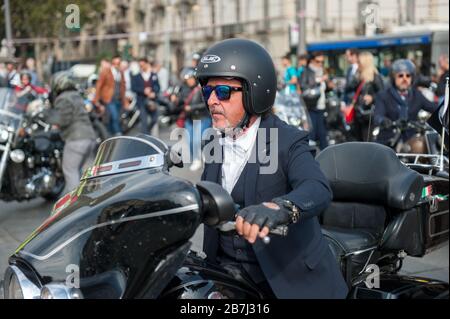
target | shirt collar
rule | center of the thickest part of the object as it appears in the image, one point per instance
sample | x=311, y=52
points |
x=246, y=140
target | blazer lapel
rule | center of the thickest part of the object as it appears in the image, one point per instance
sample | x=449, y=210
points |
x=260, y=149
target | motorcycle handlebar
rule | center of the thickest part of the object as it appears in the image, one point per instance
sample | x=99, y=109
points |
x=281, y=230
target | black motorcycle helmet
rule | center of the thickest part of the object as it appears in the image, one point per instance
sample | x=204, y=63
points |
x=402, y=66
x=247, y=61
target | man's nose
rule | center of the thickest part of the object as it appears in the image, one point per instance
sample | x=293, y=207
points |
x=213, y=99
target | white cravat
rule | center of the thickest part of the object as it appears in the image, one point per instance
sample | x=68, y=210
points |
x=236, y=154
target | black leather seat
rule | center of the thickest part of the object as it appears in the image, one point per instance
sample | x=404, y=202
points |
x=368, y=182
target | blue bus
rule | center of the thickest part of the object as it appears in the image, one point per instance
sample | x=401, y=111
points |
x=423, y=47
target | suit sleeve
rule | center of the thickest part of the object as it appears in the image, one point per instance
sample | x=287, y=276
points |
x=310, y=188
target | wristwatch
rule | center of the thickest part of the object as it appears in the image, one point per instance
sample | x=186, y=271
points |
x=294, y=211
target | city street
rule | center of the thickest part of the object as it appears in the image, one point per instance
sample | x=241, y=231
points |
x=18, y=220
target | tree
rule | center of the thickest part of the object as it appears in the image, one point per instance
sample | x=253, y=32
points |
x=47, y=18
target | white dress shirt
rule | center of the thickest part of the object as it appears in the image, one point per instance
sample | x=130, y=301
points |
x=116, y=74
x=236, y=153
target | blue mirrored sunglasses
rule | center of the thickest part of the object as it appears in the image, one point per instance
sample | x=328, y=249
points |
x=223, y=92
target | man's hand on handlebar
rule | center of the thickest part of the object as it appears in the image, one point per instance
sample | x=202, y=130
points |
x=257, y=220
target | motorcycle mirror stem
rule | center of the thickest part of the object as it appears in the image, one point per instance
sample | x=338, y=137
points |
x=446, y=97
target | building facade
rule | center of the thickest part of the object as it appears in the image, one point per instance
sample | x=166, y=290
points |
x=171, y=30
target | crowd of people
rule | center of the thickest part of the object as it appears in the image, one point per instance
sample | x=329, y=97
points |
x=370, y=97
x=364, y=96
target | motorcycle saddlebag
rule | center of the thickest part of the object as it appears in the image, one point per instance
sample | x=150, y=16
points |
x=435, y=217
x=424, y=227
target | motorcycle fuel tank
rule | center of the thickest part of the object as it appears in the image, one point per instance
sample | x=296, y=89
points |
x=118, y=226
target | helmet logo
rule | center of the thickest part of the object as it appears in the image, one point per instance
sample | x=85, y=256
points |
x=210, y=58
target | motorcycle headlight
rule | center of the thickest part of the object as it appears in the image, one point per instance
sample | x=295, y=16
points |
x=60, y=291
x=4, y=135
x=376, y=131
x=17, y=156
x=423, y=116
x=18, y=286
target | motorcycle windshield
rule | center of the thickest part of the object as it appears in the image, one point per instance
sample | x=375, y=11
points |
x=12, y=109
x=289, y=108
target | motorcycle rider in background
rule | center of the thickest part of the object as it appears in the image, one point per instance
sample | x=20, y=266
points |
x=26, y=86
x=70, y=116
x=402, y=101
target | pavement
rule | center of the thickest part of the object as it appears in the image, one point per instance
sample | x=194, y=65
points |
x=19, y=219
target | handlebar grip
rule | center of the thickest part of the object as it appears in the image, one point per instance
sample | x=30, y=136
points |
x=281, y=230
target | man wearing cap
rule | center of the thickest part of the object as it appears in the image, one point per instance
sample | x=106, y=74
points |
x=269, y=170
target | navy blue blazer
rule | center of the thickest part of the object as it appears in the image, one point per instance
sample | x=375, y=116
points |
x=138, y=87
x=300, y=265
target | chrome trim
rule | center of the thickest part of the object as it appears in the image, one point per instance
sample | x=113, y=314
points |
x=358, y=252
x=29, y=289
x=429, y=224
x=11, y=114
x=61, y=291
x=367, y=263
x=417, y=157
x=123, y=220
x=136, y=139
x=149, y=161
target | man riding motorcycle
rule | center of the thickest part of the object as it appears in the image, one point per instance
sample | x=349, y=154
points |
x=238, y=81
x=402, y=101
x=70, y=116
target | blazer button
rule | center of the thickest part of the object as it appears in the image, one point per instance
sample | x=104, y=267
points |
x=236, y=237
x=239, y=251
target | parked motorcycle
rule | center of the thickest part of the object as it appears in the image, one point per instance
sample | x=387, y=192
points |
x=31, y=153
x=125, y=231
x=291, y=109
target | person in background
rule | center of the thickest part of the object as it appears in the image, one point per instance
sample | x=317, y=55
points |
x=301, y=64
x=352, y=58
x=110, y=91
x=366, y=85
x=386, y=69
x=144, y=87
x=314, y=83
x=290, y=75
x=12, y=75
x=26, y=85
x=402, y=101
x=125, y=69
x=69, y=115
x=163, y=76
x=30, y=68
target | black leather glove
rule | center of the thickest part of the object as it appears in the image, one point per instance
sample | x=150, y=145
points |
x=262, y=215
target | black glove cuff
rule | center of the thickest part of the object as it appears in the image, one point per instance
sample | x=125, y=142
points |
x=293, y=210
